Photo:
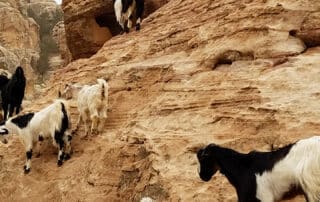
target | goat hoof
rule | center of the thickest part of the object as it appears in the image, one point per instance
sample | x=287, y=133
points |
x=60, y=163
x=67, y=157
x=26, y=170
x=137, y=27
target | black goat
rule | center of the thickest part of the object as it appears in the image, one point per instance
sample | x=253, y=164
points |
x=12, y=93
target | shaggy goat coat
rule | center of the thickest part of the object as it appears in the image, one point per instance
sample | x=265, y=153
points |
x=125, y=10
x=51, y=121
x=266, y=176
x=13, y=92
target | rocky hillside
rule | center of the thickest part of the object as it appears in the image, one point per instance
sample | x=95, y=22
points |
x=19, y=38
x=240, y=73
x=22, y=39
x=90, y=23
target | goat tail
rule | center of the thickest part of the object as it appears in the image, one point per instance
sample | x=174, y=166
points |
x=104, y=88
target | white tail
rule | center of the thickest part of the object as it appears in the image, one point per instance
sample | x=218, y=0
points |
x=104, y=88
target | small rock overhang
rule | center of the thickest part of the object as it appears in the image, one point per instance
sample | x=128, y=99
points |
x=91, y=23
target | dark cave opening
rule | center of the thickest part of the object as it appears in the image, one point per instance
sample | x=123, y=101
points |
x=109, y=21
x=311, y=38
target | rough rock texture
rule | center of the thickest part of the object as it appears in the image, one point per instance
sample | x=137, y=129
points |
x=46, y=14
x=59, y=35
x=19, y=39
x=240, y=73
x=90, y=23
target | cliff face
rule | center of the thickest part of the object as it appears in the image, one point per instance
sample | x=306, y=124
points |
x=47, y=14
x=90, y=23
x=243, y=74
x=19, y=38
x=59, y=35
x=20, y=35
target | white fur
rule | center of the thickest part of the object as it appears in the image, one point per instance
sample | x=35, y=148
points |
x=44, y=123
x=147, y=199
x=130, y=12
x=92, y=106
x=123, y=17
x=118, y=12
x=301, y=167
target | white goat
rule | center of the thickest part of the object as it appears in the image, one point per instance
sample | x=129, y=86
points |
x=92, y=104
x=51, y=121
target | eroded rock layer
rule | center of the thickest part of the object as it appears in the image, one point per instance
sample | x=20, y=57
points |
x=240, y=73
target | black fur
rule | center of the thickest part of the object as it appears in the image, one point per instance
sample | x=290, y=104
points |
x=26, y=171
x=40, y=138
x=29, y=154
x=126, y=4
x=67, y=157
x=22, y=120
x=5, y=131
x=138, y=12
x=58, y=136
x=13, y=92
x=240, y=169
x=3, y=80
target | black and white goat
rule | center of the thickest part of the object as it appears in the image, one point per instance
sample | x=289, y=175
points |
x=12, y=93
x=267, y=176
x=52, y=121
x=126, y=11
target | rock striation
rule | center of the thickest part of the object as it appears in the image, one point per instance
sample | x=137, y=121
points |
x=19, y=39
x=90, y=23
x=240, y=73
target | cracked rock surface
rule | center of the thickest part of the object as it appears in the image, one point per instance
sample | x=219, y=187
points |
x=240, y=73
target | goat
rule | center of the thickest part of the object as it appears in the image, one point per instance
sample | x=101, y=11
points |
x=12, y=93
x=52, y=121
x=124, y=11
x=3, y=80
x=92, y=104
x=266, y=176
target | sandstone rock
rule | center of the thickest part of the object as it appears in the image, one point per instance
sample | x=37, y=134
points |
x=59, y=36
x=8, y=60
x=17, y=31
x=237, y=73
x=19, y=40
x=46, y=14
x=90, y=23
x=85, y=37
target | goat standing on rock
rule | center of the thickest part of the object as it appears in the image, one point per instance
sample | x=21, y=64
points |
x=267, y=176
x=92, y=104
x=12, y=93
x=51, y=121
x=125, y=10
